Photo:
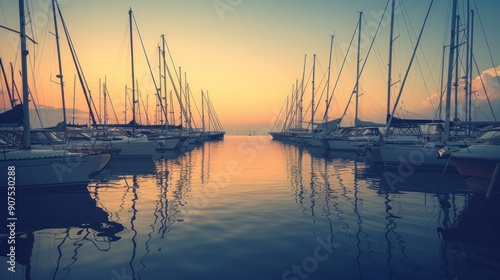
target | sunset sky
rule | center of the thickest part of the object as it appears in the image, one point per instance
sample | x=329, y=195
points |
x=246, y=54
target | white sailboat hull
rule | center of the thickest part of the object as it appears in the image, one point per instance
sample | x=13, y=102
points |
x=167, y=143
x=342, y=145
x=477, y=164
x=131, y=147
x=47, y=168
x=418, y=157
x=310, y=140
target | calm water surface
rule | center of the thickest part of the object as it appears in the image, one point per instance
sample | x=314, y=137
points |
x=253, y=208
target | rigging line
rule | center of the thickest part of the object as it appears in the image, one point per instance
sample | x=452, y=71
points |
x=408, y=69
x=374, y=106
x=341, y=70
x=17, y=32
x=425, y=84
x=34, y=97
x=46, y=22
x=36, y=108
x=304, y=113
x=34, y=80
x=421, y=50
x=377, y=52
x=443, y=90
x=195, y=105
x=127, y=97
x=322, y=92
x=294, y=112
x=149, y=67
x=409, y=25
x=487, y=44
x=219, y=125
x=216, y=116
x=120, y=52
x=410, y=113
x=143, y=106
x=305, y=89
x=178, y=95
x=284, y=121
x=484, y=87
x=277, y=117
x=111, y=102
x=14, y=85
x=364, y=62
x=462, y=66
x=79, y=70
x=190, y=114
x=30, y=21
x=172, y=60
x=447, y=26
x=4, y=107
x=3, y=13
x=214, y=119
x=290, y=111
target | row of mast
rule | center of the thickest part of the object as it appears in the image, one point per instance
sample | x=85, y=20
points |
x=453, y=65
x=213, y=121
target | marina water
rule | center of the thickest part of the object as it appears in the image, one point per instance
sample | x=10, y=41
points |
x=252, y=208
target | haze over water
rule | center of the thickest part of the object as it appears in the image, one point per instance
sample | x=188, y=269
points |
x=251, y=208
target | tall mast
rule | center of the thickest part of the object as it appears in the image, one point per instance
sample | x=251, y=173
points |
x=24, y=69
x=389, y=74
x=403, y=82
x=74, y=97
x=302, y=92
x=441, y=91
x=172, y=112
x=180, y=99
x=164, y=78
x=99, y=99
x=295, y=94
x=60, y=75
x=450, y=72
x=357, y=71
x=13, y=85
x=133, y=74
x=202, y=111
x=158, y=90
x=105, y=93
x=325, y=119
x=126, y=100
x=470, y=63
x=312, y=99
x=188, y=100
x=467, y=78
x=209, y=117
x=456, y=71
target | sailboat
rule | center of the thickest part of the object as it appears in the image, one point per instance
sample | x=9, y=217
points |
x=413, y=150
x=479, y=164
x=351, y=138
x=217, y=132
x=127, y=145
x=22, y=166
